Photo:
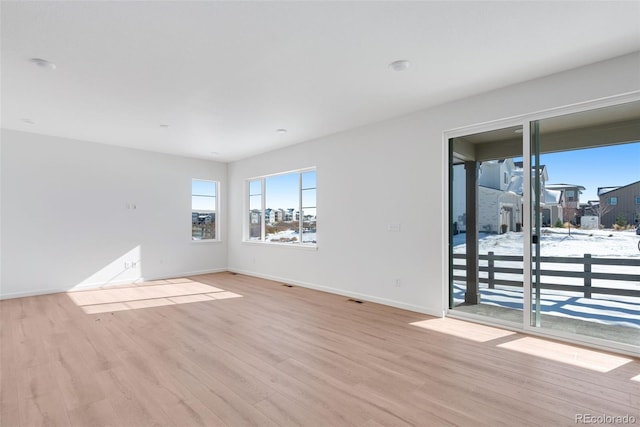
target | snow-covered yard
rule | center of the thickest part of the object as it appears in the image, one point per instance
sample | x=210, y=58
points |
x=560, y=242
x=557, y=242
x=288, y=236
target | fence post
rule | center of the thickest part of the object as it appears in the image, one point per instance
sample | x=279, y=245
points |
x=587, y=275
x=490, y=268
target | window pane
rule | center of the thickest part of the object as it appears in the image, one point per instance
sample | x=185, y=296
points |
x=309, y=179
x=309, y=198
x=255, y=202
x=276, y=208
x=203, y=207
x=255, y=224
x=203, y=188
x=255, y=187
x=203, y=203
x=281, y=191
x=282, y=201
x=309, y=225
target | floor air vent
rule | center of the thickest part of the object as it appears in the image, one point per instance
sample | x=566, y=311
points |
x=357, y=301
x=287, y=285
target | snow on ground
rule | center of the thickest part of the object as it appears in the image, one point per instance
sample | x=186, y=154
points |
x=288, y=235
x=557, y=242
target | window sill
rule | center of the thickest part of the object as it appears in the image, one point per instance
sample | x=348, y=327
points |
x=203, y=241
x=298, y=246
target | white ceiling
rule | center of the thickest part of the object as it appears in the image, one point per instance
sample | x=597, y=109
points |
x=226, y=75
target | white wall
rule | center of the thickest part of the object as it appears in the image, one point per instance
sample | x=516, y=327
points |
x=394, y=172
x=65, y=219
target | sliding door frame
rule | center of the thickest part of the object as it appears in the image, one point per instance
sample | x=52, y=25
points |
x=525, y=121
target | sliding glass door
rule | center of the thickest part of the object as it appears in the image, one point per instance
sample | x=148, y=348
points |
x=585, y=278
x=543, y=225
x=486, y=224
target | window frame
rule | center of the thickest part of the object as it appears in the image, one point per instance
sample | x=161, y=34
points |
x=263, y=198
x=612, y=199
x=215, y=211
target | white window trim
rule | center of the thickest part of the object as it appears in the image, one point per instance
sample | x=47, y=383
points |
x=247, y=225
x=218, y=238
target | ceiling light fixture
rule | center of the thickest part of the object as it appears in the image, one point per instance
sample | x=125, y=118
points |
x=214, y=153
x=400, y=65
x=28, y=121
x=281, y=130
x=164, y=126
x=43, y=63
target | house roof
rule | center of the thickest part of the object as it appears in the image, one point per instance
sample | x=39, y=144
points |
x=565, y=187
x=552, y=196
x=605, y=190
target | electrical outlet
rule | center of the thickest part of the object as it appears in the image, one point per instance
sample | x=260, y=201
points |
x=398, y=283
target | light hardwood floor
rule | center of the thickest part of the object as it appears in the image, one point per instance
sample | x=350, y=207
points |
x=285, y=356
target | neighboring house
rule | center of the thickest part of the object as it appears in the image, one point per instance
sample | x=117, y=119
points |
x=255, y=216
x=499, y=196
x=551, y=202
x=591, y=208
x=270, y=216
x=569, y=200
x=620, y=202
x=279, y=215
x=500, y=189
x=552, y=209
x=496, y=174
x=289, y=214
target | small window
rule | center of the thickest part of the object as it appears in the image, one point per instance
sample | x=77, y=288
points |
x=204, y=206
x=571, y=195
x=612, y=201
x=637, y=200
x=282, y=208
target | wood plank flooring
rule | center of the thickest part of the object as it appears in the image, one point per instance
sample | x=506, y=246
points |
x=288, y=356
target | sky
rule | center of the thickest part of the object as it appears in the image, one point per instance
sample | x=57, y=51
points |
x=282, y=191
x=203, y=195
x=612, y=166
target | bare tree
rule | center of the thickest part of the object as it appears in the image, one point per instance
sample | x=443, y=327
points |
x=599, y=209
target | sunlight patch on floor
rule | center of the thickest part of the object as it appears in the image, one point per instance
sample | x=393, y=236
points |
x=147, y=294
x=636, y=378
x=567, y=353
x=462, y=329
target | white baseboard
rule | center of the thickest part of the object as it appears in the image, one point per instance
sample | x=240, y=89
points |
x=437, y=312
x=365, y=297
x=188, y=273
x=89, y=286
